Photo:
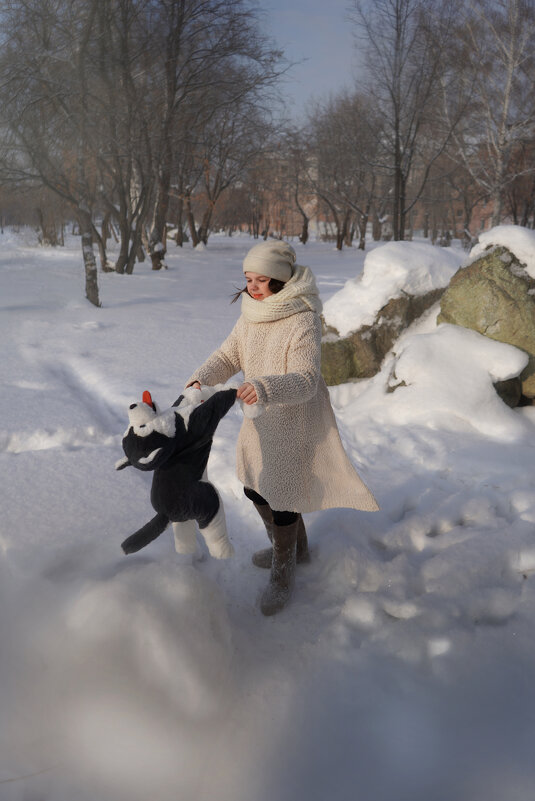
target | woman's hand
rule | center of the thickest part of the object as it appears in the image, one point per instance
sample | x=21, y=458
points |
x=247, y=393
x=194, y=384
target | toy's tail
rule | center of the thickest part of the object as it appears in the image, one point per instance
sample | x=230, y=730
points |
x=148, y=533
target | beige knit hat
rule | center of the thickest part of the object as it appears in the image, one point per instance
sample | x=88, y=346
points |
x=272, y=258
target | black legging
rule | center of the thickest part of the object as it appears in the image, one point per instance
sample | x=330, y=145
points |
x=279, y=518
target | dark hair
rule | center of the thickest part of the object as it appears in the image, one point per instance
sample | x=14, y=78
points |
x=274, y=284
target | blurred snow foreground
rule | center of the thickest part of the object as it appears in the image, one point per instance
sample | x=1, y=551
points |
x=402, y=668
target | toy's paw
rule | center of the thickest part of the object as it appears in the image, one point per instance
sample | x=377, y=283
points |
x=185, y=535
x=216, y=537
x=249, y=410
x=223, y=549
x=253, y=410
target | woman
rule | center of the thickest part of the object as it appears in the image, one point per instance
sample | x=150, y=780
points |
x=290, y=458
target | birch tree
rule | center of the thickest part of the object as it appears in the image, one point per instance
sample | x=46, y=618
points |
x=500, y=38
x=46, y=107
x=407, y=56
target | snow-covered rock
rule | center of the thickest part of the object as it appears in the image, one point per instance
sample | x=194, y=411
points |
x=399, y=283
x=390, y=271
x=494, y=293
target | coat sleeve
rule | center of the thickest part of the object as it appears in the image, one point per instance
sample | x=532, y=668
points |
x=221, y=365
x=303, y=369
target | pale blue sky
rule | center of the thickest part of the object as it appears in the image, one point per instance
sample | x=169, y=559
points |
x=318, y=31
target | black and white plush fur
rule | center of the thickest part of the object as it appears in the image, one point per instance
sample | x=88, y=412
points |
x=176, y=444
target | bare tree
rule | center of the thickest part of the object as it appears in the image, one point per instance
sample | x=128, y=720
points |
x=207, y=43
x=520, y=195
x=344, y=173
x=232, y=139
x=98, y=97
x=256, y=187
x=500, y=44
x=122, y=103
x=298, y=160
x=407, y=45
x=46, y=107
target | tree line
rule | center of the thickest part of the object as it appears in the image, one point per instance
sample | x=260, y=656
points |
x=141, y=117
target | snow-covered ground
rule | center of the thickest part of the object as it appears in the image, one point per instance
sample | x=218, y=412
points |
x=402, y=670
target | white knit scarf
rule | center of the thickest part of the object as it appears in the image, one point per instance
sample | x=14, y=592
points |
x=299, y=294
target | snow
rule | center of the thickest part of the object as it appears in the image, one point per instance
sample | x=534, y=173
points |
x=445, y=378
x=520, y=241
x=389, y=272
x=402, y=668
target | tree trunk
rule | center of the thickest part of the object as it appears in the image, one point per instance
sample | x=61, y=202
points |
x=377, y=228
x=157, y=249
x=411, y=231
x=467, y=236
x=434, y=230
x=90, y=263
x=402, y=207
x=134, y=250
x=161, y=206
x=105, y=228
x=205, y=224
x=363, y=225
x=48, y=232
x=341, y=231
x=101, y=245
x=179, y=224
x=497, y=202
x=140, y=253
x=303, y=237
x=529, y=206
x=122, y=258
x=157, y=257
x=191, y=223
x=397, y=192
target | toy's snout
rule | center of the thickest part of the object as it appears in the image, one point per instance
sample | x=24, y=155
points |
x=148, y=441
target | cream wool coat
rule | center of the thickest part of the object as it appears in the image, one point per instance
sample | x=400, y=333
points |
x=291, y=454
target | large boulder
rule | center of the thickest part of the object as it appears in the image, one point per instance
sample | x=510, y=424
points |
x=399, y=282
x=360, y=354
x=494, y=295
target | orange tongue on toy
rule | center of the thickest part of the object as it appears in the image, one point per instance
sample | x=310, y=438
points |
x=148, y=399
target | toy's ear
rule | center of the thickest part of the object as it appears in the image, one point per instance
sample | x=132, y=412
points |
x=147, y=398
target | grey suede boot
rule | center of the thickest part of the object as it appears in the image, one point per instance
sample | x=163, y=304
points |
x=264, y=557
x=279, y=589
x=267, y=516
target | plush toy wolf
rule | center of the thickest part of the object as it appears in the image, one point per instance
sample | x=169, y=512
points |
x=175, y=444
